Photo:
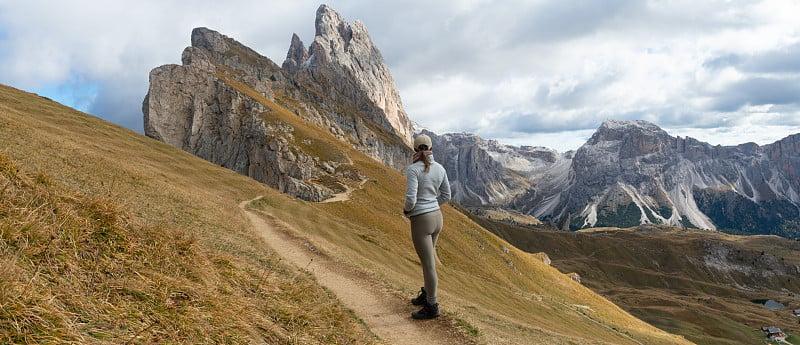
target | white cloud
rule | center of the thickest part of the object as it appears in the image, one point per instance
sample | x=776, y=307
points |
x=738, y=134
x=441, y=101
x=559, y=141
x=515, y=70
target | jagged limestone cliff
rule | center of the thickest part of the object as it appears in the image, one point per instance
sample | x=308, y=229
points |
x=345, y=65
x=228, y=104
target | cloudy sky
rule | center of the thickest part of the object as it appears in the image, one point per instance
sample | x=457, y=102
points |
x=535, y=72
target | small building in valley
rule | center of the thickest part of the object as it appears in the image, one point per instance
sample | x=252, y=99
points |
x=773, y=332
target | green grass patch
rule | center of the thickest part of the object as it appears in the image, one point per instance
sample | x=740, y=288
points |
x=468, y=328
x=623, y=216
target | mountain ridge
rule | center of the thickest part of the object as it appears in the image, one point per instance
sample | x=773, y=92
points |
x=633, y=172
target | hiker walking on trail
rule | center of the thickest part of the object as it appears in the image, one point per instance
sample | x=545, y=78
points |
x=427, y=187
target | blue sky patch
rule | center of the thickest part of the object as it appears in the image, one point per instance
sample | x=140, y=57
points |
x=74, y=93
x=4, y=51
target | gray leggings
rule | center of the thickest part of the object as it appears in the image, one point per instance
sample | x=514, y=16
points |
x=425, y=230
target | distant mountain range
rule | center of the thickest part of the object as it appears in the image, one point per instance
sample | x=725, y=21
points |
x=631, y=173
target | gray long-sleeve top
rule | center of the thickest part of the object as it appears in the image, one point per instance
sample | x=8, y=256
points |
x=425, y=191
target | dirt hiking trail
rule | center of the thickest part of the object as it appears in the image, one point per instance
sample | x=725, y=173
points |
x=386, y=313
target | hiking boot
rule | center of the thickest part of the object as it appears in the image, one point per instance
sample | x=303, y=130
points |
x=421, y=299
x=429, y=311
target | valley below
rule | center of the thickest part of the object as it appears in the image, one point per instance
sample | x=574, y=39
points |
x=703, y=285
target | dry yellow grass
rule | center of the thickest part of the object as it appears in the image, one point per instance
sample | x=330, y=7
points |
x=494, y=291
x=107, y=237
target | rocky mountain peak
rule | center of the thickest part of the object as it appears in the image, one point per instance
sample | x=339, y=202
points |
x=617, y=129
x=209, y=40
x=297, y=55
x=631, y=173
x=330, y=24
x=227, y=51
x=612, y=124
x=211, y=49
x=628, y=138
x=344, y=63
x=785, y=148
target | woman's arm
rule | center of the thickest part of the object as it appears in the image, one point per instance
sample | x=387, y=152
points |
x=444, y=190
x=411, y=190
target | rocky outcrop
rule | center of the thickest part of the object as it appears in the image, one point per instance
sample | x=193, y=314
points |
x=786, y=155
x=345, y=65
x=744, y=267
x=191, y=107
x=225, y=102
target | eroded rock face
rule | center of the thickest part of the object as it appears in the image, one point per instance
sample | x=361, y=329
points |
x=636, y=167
x=219, y=105
x=191, y=108
x=344, y=63
x=476, y=178
x=633, y=172
x=746, y=267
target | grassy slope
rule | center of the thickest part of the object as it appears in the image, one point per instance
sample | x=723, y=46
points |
x=649, y=274
x=509, y=296
x=107, y=236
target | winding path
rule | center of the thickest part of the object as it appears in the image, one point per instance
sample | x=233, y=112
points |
x=344, y=196
x=387, y=315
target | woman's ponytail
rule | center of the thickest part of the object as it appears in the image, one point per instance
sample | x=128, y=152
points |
x=421, y=154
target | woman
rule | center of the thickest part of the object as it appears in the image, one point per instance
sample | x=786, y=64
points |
x=427, y=187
